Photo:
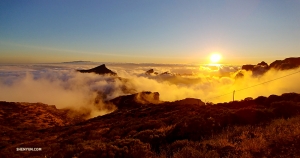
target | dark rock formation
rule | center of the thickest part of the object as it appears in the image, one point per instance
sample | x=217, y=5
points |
x=263, y=67
x=101, y=70
x=151, y=71
x=263, y=64
x=165, y=73
x=288, y=63
x=257, y=70
x=136, y=100
x=248, y=67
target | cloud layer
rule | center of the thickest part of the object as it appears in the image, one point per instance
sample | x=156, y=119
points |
x=61, y=85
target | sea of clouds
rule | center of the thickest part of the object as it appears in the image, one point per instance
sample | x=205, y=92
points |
x=61, y=85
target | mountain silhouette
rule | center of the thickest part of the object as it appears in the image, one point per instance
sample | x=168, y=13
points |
x=263, y=67
x=101, y=70
x=149, y=72
x=286, y=64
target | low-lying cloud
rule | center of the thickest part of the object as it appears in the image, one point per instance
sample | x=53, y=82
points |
x=62, y=86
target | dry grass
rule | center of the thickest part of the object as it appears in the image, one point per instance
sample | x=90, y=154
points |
x=262, y=127
x=253, y=141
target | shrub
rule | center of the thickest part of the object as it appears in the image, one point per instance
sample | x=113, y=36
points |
x=285, y=108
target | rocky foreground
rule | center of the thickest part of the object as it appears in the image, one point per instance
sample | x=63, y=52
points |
x=143, y=126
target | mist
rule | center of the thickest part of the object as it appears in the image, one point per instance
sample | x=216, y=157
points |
x=62, y=86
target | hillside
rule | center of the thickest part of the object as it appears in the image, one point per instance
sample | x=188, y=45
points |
x=264, y=126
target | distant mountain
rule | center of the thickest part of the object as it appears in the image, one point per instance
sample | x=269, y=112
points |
x=288, y=63
x=101, y=70
x=76, y=62
x=166, y=73
x=150, y=72
x=263, y=67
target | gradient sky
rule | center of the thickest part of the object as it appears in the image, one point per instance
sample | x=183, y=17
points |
x=148, y=31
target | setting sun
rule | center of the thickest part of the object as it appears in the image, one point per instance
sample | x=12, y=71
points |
x=214, y=58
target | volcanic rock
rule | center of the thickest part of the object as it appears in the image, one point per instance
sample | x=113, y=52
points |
x=263, y=64
x=288, y=63
x=136, y=100
x=101, y=70
x=257, y=70
x=248, y=67
x=151, y=71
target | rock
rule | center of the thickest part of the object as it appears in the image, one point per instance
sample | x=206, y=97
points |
x=248, y=67
x=136, y=100
x=149, y=72
x=288, y=63
x=101, y=70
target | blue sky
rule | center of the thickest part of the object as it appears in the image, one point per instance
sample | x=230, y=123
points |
x=144, y=31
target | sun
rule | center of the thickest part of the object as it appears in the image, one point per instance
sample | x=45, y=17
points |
x=215, y=58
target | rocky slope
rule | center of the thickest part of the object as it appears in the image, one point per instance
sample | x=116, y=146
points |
x=143, y=126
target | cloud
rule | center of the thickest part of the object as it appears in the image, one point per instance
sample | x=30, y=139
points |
x=65, y=89
x=62, y=86
x=208, y=83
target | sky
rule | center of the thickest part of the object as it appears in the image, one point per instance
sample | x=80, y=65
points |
x=148, y=31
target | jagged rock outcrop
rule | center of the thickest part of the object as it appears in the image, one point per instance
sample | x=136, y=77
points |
x=149, y=72
x=288, y=63
x=263, y=67
x=248, y=67
x=257, y=70
x=263, y=64
x=101, y=70
x=166, y=73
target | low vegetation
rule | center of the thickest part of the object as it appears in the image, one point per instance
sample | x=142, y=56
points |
x=260, y=127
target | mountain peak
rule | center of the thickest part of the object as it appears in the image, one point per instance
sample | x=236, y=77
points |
x=101, y=70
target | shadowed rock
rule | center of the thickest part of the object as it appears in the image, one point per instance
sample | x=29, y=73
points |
x=248, y=67
x=151, y=71
x=101, y=70
x=136, y=100
x=288, y=63
x=263, y=64
x=263, y=67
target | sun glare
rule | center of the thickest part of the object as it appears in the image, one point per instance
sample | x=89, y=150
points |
x=215, y=58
